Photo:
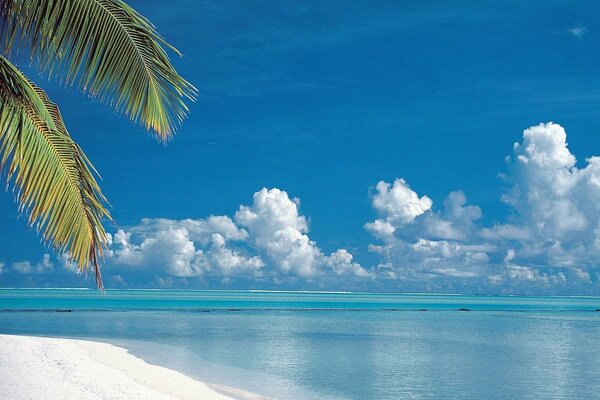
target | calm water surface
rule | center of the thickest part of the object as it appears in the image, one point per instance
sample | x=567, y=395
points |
x=290, y=345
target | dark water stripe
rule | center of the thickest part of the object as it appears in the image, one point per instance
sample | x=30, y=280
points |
x=206, y=310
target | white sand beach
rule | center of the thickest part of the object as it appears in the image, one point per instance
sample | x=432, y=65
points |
x=54, y=368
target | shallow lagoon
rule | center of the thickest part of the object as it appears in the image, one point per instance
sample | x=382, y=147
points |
x=291, y=345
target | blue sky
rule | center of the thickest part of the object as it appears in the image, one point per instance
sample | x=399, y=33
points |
x=319, y=102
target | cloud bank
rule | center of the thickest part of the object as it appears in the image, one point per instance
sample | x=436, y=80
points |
x=550, y=240
x=266, y=242
x=548, y=243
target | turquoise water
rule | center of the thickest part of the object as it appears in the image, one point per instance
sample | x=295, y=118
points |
x=291, y=345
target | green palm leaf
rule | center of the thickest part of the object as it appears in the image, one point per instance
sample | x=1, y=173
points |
x=113, y=52
x=55, y=185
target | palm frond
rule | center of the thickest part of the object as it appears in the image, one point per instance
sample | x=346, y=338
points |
x=109, y=49
x=55, y=186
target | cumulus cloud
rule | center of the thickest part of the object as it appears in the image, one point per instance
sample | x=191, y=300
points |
x=183, y=248
x=556, y=205
x=428, y=243
x=266, y=240
x=551, y=235
x=398, y=204
x=226, y=261
x=278, y=232
x=26, y=267
x=341, y=262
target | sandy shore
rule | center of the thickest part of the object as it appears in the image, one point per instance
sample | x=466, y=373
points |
x=52, y=368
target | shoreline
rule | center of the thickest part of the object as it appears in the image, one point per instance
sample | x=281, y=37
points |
x=342, y=292
x=33, y=367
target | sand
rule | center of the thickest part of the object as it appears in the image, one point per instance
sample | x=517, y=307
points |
x=53, y=368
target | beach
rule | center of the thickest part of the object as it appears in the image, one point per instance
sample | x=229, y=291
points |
x=54, y=368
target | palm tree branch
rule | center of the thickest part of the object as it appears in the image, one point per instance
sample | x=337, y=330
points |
x=113, y=52
x=52, y=176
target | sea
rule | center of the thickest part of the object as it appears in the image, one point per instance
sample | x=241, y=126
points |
x=317, y=345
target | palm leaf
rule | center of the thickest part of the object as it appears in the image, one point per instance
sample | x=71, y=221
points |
x=49, y=170
x=109, y=49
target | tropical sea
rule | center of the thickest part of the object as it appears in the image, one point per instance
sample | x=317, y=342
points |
x=314, y=345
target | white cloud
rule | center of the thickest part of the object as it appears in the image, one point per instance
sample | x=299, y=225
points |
x=341, y=262
x=227, y=262
x=199, y=230
x=22, y=267
x=26, y=267
x=513, y=275
x=457, y=221
x=427, y=243
x=279, y=232
x=398, y=204
x=268, y=239
x=582, y=275
x=182, y=248
x=578, y=31
x=46, y=265
x=554, y=223
x=556, y=205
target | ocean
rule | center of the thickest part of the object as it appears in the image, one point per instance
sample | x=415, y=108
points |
x=313, y=345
